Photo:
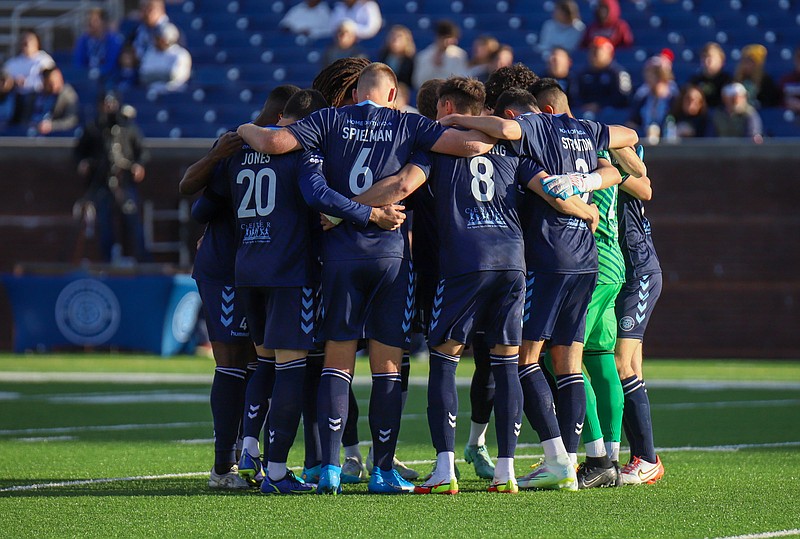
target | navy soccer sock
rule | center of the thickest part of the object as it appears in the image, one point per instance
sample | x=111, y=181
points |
x=284, y=414
x=385, y=409
x=313, y=452
x=227, y=396
x=508, y=403
x=482, y=387
x=350, y=435
x=405, y=372
x=332, y=404
x=442, y=401
x=538, y=402
x=257, y=395
x=637, y=410
x=571, y=409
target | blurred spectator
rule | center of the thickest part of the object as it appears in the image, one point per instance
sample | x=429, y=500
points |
x=25, y=70
x=403, y=101
x=559, y=64
x=564, y=30
x=737, y=118
x=127, y=73
x=442, y=58
x=166, y=66
x=761, y=88
x=56, y=106
x=483, y=47
x=7, y=99
x=398, y=52
x=502, y=57
x=153, y=17
x=310, y=18
x=691, y=113
x=603, y=83
x=711, y=78
x=111, y=157
x=98, y=48
x=365, y=13
x=653, y=102
x=608, y=24
x=790, y=85
x=345, y=44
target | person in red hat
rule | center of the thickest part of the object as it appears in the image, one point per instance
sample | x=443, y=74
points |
x=609, y=24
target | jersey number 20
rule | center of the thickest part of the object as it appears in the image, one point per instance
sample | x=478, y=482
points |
x=255, y=185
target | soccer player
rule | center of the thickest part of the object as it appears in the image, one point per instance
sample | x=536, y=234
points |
x=562, y=266
x=225, y=313
x=603, y=423
x=481, y=286
x=634, y=307
x=364, y=269
x=515, y=76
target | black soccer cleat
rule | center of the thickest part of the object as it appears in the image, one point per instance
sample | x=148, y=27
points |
x=593, y=476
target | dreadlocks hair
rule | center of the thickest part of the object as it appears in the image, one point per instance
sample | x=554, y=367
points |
x=337, y=81
x=467, y=95
x=516, y=76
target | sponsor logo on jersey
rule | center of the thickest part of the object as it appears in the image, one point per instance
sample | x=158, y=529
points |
x=87, y=312
x=257, y=232
x=481, y=217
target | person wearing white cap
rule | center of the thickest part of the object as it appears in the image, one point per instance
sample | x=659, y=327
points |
x=737, y=118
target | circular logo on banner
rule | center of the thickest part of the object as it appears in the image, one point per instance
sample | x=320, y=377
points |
x=184, y=318
x=626, y=323
x=87, y=312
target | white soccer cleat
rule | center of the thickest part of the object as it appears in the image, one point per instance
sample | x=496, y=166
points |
x=639, y=472
x=227, y=481
x=551, y=475
x=353, y=470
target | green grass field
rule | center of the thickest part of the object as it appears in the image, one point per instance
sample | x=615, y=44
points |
x=124, y=449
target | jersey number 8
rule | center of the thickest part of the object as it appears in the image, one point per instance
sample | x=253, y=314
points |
x=482, y=184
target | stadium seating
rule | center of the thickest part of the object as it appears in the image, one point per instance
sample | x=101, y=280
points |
x=239, y=53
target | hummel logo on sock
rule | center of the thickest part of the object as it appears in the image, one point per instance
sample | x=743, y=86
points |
x=271, y=436
x=334, y=424
x=451, y=420
x=578, y=428
x=384, y=435
x=517, y=429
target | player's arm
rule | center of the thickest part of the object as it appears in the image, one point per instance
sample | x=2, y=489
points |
x=629, y=161
x=572, y=206
x=462, y=143
x=621, y=137
x=564, y=186
x=268, y=140
x=207, y=207
x=638, y=187
x=399, y=186
x=493, y=126
x=200, y=172
x=318, y=195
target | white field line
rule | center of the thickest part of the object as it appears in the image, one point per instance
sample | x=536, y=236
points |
x=176, y=378
x=765, y=535
x=83, y=482
x=104, y=428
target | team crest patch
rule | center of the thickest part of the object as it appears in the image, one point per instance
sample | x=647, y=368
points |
x=626, y=323
x=87, y=312
x=184, y=318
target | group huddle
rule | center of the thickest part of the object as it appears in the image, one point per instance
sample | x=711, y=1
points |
x=527, y=241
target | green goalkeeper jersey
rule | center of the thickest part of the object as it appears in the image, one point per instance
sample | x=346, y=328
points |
x=609, y=254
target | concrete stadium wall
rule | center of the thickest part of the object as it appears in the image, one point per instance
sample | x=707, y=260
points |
x=724, y=220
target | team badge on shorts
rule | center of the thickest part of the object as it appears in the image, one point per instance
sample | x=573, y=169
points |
x=626, y=323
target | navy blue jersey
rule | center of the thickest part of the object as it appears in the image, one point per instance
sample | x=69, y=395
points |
x=364, y=143
x=554, y=242
x=424, y=234
x=476, y=212
x=635, y=238
x=273, y=221
x=216, y=255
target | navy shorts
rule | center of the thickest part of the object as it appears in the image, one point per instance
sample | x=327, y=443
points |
x=423, y=302
x=634, y=305
x=368, y=299
x=281, y=318
x=555, y=307
x=225, y=312
x=487, y=300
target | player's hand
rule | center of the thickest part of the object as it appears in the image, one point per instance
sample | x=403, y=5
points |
x=388, y=217
x=564, y=186
x=226, y=145
x=450, y=120
x=594, y=221
x=328, y=221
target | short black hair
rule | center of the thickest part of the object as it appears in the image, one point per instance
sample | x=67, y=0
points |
x=276, y=101
x=516, y=76
x=447, y=28
x=303, y=103
x=549, y=92
x=516, y=99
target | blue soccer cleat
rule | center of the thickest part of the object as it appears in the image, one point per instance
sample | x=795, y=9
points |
x=330, y=480
x=388, y=482
x=251, y=469
x=290, y=484
x=311, y=475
